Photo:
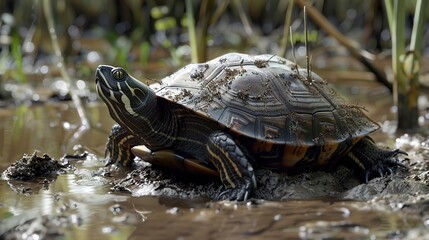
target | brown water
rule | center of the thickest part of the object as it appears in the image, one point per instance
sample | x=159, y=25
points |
x=82, y=206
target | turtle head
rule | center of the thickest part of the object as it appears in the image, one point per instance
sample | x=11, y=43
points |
x=125, y=96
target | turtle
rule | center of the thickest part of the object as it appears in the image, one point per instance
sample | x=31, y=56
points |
x=235, y=113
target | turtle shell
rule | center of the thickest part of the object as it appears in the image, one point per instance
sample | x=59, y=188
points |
x=267, y=98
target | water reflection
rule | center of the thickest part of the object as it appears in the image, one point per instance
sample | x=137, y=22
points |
x=84, y=202
x=272, y=220
x=48, y=128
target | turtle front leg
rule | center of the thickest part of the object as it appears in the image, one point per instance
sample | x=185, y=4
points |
x=118, y=147
x=234, y=168
x=373, y=160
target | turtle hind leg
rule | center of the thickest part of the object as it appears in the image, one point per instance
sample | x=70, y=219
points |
x=234, y=168
x=118, y=147
x=374, y=161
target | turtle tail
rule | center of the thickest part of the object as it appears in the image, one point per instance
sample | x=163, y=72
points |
x=374, y=161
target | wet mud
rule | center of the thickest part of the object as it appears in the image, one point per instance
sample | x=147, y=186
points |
x=340, y=183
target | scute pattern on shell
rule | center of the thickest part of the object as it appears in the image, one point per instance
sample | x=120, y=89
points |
x=268, y=98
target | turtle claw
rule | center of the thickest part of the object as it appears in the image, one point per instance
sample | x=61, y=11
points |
x=399, y=151
x=239, y=193
x=108, y=155
x=381, y=172
x=386, y=165
x=367, y=176
x=233, y=194
x=109, y=161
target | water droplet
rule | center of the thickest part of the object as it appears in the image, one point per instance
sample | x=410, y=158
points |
x=73, y=31
x=173, y=210
x=36, y=97
x=108, y=230
x=28, y=47
x=8, y=18
x=345, y=211
x=44, y=69
x=80, y=84
x=66, y=125
x=52, y=30
x=93, y=56
x=421, y=120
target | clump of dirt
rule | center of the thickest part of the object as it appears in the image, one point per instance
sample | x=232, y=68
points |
x=32, y=167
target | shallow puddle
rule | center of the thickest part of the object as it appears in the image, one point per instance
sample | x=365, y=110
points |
x=89, y=211
x=81, y=204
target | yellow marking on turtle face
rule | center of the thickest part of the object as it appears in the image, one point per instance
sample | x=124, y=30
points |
x=127, y=104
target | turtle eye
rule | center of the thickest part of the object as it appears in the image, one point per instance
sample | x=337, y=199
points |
x=118, y=73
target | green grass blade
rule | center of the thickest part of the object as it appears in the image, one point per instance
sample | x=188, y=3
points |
x=191, y=30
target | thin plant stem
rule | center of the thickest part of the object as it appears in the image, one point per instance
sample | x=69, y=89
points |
x=405, y=65
x=398, y=46
x=61, y=65
x=293, y=48
x=419, y=20
x=398, y=43
x=412, y=66
x=389, y=11
x=243, y=17
x=307, y=59
x=219, y=11
x=191, y=30
x=204, y=19
x=285, y=37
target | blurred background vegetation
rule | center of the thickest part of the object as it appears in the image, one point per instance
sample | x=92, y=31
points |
x=153, y=38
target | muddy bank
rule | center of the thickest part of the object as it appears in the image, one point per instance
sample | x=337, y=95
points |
x=144, y=179
x=340, y=183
